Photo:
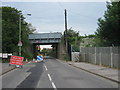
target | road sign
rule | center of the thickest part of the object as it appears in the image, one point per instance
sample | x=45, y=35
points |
x=40, y=58
x=10, y=54
x=0, y=54
x=16, y=60
x=39, y=47
x=4, y=55
x=19, y=43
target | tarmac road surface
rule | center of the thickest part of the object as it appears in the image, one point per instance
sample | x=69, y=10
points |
x=53, y=74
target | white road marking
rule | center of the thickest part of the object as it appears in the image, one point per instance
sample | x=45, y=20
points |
x=54, y=85
x=49, y=77
x=45, y=67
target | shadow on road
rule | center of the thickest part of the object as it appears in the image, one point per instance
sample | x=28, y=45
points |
x=48, y=57
x=32, y=80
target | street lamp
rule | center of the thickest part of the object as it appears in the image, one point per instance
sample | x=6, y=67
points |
x=20, y=43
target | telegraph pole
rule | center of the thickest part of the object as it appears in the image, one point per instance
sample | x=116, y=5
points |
x=66, y=30
x=20, y=46
x=66, y=40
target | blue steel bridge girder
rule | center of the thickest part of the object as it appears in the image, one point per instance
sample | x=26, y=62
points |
x=45, y=38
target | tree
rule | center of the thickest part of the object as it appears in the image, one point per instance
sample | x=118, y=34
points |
x=10, y=32
x=44, y=51
x=74, y=39
x=90, y=41
x=109, y=26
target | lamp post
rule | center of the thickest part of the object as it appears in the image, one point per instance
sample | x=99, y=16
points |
x=20, y=42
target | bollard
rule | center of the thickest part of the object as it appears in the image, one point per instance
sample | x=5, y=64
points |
x=26, y=60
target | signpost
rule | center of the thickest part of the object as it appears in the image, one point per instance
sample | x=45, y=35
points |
x=20, y=44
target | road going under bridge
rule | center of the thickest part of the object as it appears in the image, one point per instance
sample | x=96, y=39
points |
x=45, y=39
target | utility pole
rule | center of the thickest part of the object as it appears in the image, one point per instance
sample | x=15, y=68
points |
x=66, y=40
x=66, y=30
x=20, y=32
x=20, y=46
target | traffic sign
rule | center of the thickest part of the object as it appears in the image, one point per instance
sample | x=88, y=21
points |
x=16, y=60
x=19, y=43
x=0, y=54
x=10, y=54
x=40, y=58
x=39, y=47
x=4, y=55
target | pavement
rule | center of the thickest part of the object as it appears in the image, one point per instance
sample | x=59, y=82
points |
x=105, y=72
x=6, y=68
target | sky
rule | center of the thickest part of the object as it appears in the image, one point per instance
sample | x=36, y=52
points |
x=49, y=16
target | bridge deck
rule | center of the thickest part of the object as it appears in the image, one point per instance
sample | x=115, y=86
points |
x=45, y=37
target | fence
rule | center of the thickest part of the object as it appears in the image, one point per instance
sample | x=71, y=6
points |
x=107, y=56
x=75, y=56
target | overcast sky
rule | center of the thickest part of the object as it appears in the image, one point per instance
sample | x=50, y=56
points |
x=49, y=16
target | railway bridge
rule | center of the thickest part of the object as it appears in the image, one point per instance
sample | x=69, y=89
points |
x=53, y=39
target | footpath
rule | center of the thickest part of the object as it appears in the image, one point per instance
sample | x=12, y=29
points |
x=105, y=72
x=6, y=68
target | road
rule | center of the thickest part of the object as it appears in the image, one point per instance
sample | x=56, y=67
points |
x=53, y=74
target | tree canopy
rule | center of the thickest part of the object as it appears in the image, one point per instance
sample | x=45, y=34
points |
x=109, y=26
x=10, y=31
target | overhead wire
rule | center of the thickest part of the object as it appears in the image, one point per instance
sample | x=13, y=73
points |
x=73, y=12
